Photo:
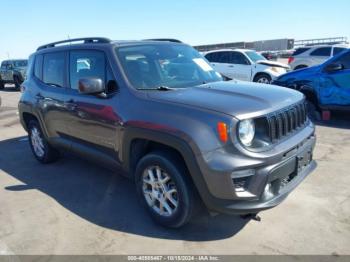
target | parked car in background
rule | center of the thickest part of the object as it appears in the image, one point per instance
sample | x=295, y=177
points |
x=313, y=55
x=13, y=72
x=157, y=112
x=270, y=55
x=326, y=86
x=245, y=65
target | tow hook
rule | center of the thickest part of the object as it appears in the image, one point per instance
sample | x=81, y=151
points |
x=255, y=217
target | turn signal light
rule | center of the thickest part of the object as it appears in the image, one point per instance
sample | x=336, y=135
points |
x=222, y=131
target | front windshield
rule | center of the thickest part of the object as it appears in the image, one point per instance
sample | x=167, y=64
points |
x=152, y=66
x=20, y=63
x=254, y=56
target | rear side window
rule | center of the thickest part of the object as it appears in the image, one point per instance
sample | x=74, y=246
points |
x=300, y=51
x=345, y=60
x=213, y=57
x=54, y=69
x=38, y=67
x=322, y=51
x=338, y=50
x=4, y=65
x=84, y=64
x=219, y=57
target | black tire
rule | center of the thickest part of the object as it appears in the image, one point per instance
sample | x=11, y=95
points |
x=300, y=67
x=17, y=82
x=2, y=85
x=313, y=112
x=49, y=153
x=185, y=192
x=262, y=78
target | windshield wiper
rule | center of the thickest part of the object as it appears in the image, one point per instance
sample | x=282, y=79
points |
x=160, y=88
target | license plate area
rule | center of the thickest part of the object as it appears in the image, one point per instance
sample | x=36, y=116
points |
x=303, y=160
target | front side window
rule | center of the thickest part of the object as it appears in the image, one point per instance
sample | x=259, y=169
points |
x=344, y=60
x=178, y=66
x=20, y=63
x=86, y=64
x=54, y=69
x=338, y=50
x=4, y=65
x=238, y=59
x=254, y=56
x=322, y=51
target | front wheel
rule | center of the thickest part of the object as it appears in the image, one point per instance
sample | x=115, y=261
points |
x=262, y=79
x=165, y=189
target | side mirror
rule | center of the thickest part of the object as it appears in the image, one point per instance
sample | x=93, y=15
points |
x=334, y=67
x=91, y=86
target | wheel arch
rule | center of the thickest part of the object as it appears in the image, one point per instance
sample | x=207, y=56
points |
x=137, y=142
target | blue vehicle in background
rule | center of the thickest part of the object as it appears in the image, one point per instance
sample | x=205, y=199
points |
x=326, y=86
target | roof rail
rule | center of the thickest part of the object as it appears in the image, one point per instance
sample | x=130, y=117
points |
x=164, y=39
x=86, y=40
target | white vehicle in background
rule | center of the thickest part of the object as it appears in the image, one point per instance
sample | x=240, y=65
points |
x=245, y=65
x=313, y=55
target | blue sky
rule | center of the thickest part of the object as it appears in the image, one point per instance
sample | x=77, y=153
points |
x=28, y=24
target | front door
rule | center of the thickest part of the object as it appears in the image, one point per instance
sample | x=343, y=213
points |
x=335, y=86
x=94, y=121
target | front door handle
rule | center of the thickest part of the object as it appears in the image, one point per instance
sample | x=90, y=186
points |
x=70, y=105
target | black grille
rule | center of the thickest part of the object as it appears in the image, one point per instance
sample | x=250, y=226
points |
x=286, y=121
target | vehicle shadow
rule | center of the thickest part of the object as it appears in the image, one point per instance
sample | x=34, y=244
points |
x=338, y=120
x=9, y=89
x=103, y=197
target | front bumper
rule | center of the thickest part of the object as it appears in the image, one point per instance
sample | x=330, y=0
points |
x=271, y=183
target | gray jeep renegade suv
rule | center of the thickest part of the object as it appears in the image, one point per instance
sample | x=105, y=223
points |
x=157, y=112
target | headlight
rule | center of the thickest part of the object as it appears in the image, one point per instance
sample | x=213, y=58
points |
x=246, y=131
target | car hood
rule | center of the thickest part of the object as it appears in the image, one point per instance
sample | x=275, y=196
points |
x=300, y=73
x=272, y=63
x=234, y=98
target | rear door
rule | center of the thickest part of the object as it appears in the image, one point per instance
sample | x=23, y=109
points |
x=320, y=55
x=50, y=71
x=335, y=86
x=221, y=63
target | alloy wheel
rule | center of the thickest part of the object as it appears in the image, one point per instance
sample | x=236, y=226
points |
x=160, y=191
x=37, y=142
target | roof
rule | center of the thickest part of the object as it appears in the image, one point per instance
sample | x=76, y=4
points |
x=102, y=40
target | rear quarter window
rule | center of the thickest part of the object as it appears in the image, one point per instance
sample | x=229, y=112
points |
x=38, y=67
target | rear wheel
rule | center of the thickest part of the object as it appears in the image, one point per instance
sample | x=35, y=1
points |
x=165, y=189
x=42, y=151
x=262, y=79
x=2, y=85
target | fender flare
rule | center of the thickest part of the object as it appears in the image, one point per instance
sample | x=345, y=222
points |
x=172, y=141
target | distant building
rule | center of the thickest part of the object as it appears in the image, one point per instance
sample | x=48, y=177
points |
x=274, y=45
x=266, y=45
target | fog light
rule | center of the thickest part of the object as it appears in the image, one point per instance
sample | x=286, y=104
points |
x=268, y=191
x=240, y=180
